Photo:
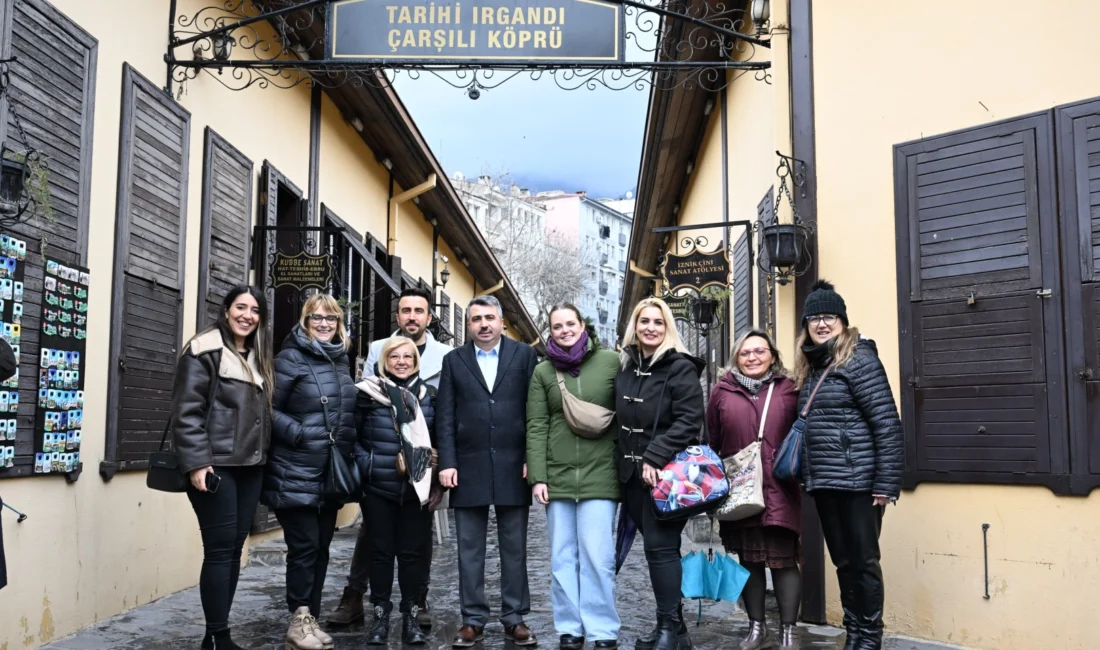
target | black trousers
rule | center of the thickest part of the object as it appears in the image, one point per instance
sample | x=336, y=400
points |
x=661, y=540
x=851, y=525
x=398, y=531
x=359, y=574
x=225, y=517
x=472, y=529
x=308, y=533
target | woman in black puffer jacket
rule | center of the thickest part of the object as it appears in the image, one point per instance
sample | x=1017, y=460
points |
x=397, y=496
x=853, y=454
x=314, y=399
x=659, y=404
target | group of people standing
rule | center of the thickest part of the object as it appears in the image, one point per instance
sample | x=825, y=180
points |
x=490, y=426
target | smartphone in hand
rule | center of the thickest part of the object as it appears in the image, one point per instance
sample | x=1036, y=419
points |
x=212, y=482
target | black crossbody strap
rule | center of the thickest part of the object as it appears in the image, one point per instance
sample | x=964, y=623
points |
x=209, y=402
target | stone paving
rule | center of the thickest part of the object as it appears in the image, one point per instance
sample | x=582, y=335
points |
x=259, y=616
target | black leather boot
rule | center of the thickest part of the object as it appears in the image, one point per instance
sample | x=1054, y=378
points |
x=412, y=633
x=379, y=633
x=672, y=634
x=849, y=603
x=648, y=641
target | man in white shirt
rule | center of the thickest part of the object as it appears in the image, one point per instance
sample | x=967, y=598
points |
x=481, y=431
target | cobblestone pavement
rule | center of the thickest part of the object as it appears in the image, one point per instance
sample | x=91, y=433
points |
x=259, y=616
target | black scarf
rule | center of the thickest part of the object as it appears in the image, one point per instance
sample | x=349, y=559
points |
x=820, y=355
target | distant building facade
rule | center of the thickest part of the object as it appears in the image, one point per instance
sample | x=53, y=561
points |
x=601, y=234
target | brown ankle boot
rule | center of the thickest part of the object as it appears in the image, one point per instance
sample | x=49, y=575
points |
x=300, y=634
x=350, y=609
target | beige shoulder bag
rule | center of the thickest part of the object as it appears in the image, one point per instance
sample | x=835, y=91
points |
x=586, y=419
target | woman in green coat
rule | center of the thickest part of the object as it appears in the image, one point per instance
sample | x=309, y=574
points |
x=575, y=478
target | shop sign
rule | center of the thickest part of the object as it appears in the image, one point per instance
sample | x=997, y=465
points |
x=473, y=31
x=680, y=306
x=697, y=270
x=301, y=271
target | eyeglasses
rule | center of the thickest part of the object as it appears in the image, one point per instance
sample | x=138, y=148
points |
x=317, y=318
x=828, y=319
x=760, y=352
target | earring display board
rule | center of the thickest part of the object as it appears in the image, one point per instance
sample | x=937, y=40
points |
x=13, y=256
x=62, y=346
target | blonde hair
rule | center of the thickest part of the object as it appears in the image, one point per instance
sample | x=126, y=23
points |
x=328, y=303
x=776, y=369
x=844, y=349
x=392, y=344
x=672, y=335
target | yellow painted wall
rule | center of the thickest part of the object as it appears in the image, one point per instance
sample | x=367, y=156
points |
x=93, y=549
x=908, y=81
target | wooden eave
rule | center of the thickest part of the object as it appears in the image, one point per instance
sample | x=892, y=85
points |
x=675, y=126
x=390, y=132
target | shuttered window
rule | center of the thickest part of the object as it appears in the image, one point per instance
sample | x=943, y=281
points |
x=147, y=302
x=52, y=94
x=981, y=343
x=226, y=222
x=765, y=283
x=460, y=327
x=445, y=313
x=742, y=276
x=1079, y=175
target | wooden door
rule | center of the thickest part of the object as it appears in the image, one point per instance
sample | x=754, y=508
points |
x=1079, y=188
x=981, y=341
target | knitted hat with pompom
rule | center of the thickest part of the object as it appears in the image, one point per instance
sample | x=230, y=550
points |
x=824, y=299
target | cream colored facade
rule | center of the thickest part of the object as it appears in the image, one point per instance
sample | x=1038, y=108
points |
x=886, y=73
x=95, y=548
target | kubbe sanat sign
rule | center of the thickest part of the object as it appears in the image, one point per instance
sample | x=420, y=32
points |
x=301, y=271
x=471, y=31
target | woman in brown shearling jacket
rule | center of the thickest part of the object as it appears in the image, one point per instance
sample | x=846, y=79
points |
x=221, y=429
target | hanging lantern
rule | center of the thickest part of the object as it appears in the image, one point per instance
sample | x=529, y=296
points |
x=703, y=311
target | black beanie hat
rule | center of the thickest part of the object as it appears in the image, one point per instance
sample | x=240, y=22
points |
x=824, y=299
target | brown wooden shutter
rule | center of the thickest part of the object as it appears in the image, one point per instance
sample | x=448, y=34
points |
x=147, y=318
x=1079, y=174
x=445, y=312
x=977, y=251
x=52, y=93
x=765, y=284
x=742, y=276
x=226, y=222
x=460, y=327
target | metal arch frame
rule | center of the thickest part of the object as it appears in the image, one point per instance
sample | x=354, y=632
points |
x=283, y=61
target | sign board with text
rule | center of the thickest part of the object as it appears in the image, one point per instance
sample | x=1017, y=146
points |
x=301, y=271
x=472, y=31
x=697, y=270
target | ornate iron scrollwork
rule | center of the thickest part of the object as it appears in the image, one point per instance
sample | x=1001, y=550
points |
x=675, y=32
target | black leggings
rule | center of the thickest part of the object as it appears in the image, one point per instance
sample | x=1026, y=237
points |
x=788, y=591
x=308, y=533
x=662, y=546
x=225, y=518
x=398, y=533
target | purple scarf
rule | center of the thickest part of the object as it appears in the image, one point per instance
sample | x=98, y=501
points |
x=568, y=361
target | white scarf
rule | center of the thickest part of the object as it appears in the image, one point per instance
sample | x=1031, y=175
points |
x=416, y=433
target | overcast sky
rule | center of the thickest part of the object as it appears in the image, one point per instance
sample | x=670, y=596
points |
x=544, y=137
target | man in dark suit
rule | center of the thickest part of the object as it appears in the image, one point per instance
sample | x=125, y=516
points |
x=481, y=430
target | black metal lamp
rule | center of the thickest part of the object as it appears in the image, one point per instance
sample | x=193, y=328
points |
x=761, y=11
x=223, y=46
x=703, y=312
x=444, y=275
x=12, y=180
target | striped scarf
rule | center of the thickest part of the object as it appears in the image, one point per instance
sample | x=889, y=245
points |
x=750, y=384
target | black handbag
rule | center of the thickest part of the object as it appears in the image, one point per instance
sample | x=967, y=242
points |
x=164, y=466
x=342, y=480
x=164, y=469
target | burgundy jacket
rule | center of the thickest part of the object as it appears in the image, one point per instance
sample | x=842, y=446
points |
x=733, y=419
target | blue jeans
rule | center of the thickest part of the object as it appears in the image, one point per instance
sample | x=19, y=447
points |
x=582, y=563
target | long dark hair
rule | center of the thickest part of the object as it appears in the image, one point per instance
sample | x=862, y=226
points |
x=257, y=341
